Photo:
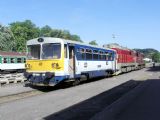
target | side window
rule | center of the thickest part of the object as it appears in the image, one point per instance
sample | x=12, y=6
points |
x=100, y=55
x=12, y=60
x=109, y=56
x=82, y=51
x=65, y=51
x=81, y=54
x=95, y=54
x=19, y=60
x=5, y=60
x=103, y=56
x=88, y=54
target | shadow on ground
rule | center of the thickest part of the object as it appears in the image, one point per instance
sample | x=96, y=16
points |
x=154, y=68
x=133, y=100
x=62, y=85
x=88, y=108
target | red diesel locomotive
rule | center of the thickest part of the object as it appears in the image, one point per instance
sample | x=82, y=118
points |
x=127, y=59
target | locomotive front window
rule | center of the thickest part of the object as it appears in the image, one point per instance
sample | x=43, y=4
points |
x=51, y=51
x=33, y=52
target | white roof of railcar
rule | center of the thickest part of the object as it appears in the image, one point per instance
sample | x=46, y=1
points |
x=50, y=40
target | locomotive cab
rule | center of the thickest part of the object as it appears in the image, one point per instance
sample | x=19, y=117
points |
x=45, y=61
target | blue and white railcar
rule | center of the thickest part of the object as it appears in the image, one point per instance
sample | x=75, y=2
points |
x=53, y=60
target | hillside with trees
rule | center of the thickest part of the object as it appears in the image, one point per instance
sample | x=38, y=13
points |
x=150, y=53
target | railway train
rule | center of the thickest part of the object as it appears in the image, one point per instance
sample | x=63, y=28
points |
x=127, y=59
x=51, y=61
x=12, y=61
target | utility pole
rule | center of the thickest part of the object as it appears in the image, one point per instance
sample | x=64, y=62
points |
x=113, y=36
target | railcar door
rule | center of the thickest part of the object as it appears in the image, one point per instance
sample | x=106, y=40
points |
x=71, y=62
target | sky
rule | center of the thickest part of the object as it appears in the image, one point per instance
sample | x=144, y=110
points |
x=134, y=23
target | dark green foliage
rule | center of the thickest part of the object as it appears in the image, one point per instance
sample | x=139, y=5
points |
x=93, y=42
x=7, y=40
x=46, y=31
x=23, y=31
x=75, y=38
x=65, y=34
x=156, y=57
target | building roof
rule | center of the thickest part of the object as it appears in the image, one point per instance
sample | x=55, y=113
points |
x=4, y=53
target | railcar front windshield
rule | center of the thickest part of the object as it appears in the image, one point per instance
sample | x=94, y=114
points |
x=33, y=52
x=51, y=51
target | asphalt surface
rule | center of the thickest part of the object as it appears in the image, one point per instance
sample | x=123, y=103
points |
x=140, y=104
x=145, y=106
x=122, y=95
x=90, y=107
x=14, y=89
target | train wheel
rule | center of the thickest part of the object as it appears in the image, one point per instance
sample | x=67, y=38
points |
x=106, y=74
x=76, y=82
x=109, y=74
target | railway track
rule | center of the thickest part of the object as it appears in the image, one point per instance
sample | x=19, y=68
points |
x=22, y=94
x=13, y=97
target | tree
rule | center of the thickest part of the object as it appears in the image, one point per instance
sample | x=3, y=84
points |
x=7, y=41
x=26, y=30
x=56, y=33
x=22, y=32
x=46, y=31
x=65, y=34
x=76, y=38
x=156, y=57
x=93, y=42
